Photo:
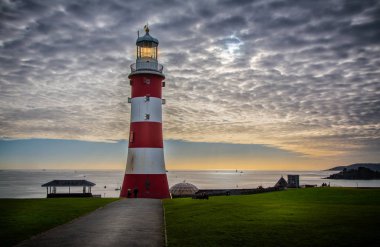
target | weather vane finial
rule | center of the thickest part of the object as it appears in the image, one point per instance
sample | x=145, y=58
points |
x=146, y=28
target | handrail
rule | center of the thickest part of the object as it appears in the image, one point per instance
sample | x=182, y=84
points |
x=147, y=66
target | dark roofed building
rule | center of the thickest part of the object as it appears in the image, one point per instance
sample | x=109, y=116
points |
x=51, y=188
x=281, y=183
x=294, y=181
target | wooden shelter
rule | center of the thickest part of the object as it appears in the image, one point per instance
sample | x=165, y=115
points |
x=51, y=188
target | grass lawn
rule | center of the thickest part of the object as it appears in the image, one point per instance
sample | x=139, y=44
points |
x=296, y=217
x=22, y=218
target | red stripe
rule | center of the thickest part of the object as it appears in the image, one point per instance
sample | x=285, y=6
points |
x=141, y=87
x=148, y=185
x=146, y=135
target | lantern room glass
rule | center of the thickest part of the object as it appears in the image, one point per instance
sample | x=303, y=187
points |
x=147, y=50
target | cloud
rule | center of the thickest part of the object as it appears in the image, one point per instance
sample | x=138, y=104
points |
x=302, y=76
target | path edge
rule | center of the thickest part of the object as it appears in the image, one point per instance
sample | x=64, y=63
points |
x=165, y=232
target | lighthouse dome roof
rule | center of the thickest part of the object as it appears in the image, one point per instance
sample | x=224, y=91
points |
x=183, y=189
x=146, y=38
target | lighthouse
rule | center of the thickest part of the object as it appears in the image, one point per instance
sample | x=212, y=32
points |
x=145, y=174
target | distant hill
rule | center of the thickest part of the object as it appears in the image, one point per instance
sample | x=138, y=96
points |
x=372, y=166
x=361, y=173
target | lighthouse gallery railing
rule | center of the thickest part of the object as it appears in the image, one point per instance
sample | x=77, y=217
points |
x=147, y=66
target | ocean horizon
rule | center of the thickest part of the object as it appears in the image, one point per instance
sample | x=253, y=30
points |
x=27, y=183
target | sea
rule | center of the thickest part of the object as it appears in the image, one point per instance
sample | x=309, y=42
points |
x=27, y=183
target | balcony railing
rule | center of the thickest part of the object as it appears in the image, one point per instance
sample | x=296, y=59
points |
x=147, y=66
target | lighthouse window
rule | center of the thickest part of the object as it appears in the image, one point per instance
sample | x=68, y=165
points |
x=147, y=50
x=147, y=116
x=147, y=98
x=129, y=100
x=147, y=81
x=131, y=137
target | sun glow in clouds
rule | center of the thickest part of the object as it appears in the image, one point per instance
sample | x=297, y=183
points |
x=228, y=50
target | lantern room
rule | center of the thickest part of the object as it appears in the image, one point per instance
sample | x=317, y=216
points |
x=146, y=46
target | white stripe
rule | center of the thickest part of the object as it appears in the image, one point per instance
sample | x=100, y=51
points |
x=141, y=106
x=145, y=161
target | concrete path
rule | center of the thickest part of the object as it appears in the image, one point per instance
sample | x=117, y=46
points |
x=127, y=222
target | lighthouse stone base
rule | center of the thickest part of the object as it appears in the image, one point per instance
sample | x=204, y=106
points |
x=148, y=185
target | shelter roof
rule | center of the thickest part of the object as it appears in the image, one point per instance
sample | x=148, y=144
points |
x=68, y=183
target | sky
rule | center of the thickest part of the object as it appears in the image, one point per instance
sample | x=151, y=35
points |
x=249, y=84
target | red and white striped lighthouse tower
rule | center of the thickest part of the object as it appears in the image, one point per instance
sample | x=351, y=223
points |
x=145, y=172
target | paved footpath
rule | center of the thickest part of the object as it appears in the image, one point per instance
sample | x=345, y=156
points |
x=127, y=222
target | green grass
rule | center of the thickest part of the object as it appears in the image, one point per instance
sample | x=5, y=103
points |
x=22, y=218
x=296, y=217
